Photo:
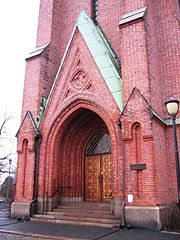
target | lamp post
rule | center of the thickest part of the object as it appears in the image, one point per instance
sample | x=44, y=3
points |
x=172, y=107
x=8, y=181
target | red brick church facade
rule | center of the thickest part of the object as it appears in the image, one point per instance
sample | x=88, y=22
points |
x=94, y=125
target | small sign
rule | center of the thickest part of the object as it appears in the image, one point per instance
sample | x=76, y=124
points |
x=139, y=166
x=130, y=198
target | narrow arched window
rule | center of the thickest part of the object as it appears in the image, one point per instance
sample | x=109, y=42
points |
x=95, y=7
x=137, y=142
x=137, y=135
x=178, y=9
x=25, y=151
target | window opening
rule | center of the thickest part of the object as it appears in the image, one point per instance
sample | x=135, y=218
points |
x=178, y=9
x=95, y=7
x=25, y=152
x=100, y=144
x=137, y=142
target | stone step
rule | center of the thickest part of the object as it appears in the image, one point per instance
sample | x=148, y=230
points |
x=96, y=204
x=82, y=214
x=77, y=223
x=85, y=213
x=73, y=218
x=76, y=220
x=81, y=210
x=92, y=206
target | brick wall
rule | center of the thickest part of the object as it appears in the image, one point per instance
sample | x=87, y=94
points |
x=162, y=34
x=149, y=51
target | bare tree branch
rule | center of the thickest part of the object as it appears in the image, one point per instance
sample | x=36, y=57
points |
x=5, y=157
x=4, y=171
x=6, y=119
x=6, y=143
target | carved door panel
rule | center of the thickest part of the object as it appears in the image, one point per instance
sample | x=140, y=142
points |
x=106, y=161
x=98, y=177
x=92, y=170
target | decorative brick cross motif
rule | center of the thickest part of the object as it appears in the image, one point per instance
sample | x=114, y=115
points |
x=79, y=80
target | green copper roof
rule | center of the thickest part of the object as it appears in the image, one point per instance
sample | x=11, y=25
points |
x=101, y=52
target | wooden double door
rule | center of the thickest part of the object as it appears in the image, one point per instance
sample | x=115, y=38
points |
x=98, y=177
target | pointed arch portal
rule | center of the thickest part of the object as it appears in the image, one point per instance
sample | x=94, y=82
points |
x=82, y=159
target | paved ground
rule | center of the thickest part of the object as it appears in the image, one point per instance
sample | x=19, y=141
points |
x=15, y=230
x=30, y=230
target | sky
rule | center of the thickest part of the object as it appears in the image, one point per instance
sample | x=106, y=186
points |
x=18, y=31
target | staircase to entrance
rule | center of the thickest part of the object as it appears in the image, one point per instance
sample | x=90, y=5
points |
x=85, y=213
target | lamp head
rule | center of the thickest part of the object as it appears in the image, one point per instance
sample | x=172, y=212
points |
x=172, y=106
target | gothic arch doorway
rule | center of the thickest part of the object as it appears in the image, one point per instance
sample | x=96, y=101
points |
x=73, y=150
x=98, y=162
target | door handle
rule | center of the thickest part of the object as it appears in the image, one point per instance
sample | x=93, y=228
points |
x=100, y=177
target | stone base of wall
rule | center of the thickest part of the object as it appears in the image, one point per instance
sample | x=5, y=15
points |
x=40, y=206
x=116, y=207
x=154, y=218
x=20, y=209
x=71, y=199
x=47, y=205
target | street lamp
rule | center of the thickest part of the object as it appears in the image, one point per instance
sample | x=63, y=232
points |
x=8, y=181
x=172, y=107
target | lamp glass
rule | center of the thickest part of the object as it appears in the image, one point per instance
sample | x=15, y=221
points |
x=172, y=107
